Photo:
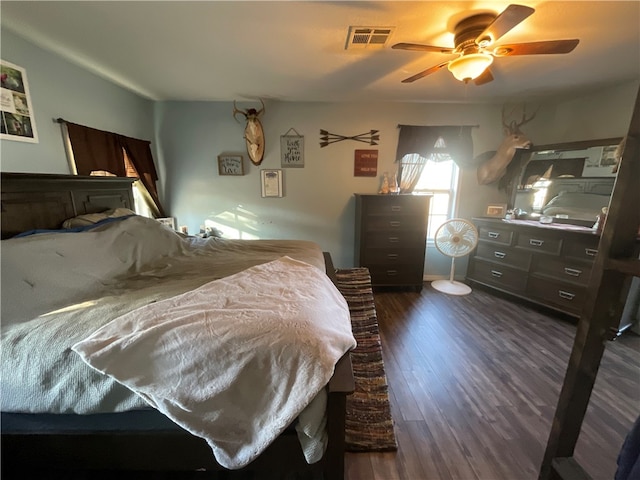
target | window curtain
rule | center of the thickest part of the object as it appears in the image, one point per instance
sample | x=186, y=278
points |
x=417, y=144
x=99, y=150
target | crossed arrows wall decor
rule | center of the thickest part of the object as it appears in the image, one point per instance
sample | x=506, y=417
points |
x=371, y=137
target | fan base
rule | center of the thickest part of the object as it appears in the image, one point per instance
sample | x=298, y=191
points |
x=451, y=287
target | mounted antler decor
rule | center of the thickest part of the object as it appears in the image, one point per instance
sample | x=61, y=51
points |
x=493, y=169
x=253, y=133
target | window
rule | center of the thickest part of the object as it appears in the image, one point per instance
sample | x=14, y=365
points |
x=90, y=151
x=440, y=178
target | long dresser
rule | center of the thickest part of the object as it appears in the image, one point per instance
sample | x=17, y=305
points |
x=545, y=264
x=391, y=237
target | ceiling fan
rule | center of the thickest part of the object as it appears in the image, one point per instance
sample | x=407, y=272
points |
x=474, y=39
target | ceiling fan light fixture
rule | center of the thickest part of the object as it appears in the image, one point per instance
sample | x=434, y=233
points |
x=470, y=66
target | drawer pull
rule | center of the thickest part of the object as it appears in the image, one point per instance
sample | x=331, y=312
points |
x=493, y=234
x=396, y=208
x=392, y=256
x=392, y=273
x=572, y=271
x=496, y=273
x=535, y=243
x=592, y=252
x=394, y=239
x=566, y=295
x=394, y=223
x=499, y=254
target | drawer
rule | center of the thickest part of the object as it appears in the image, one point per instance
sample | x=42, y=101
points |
x=562, y=269
x=392, y=256
x=567, y=297
x=582, y=249
x=393, y=222
x=496, y=234
x=499, y=275
x=396, y=275
x=400, y=239
x=397, y=205
x=539, y=242
x=504, y=256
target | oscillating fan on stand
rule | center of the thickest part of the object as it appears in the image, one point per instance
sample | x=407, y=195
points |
x=455, y=238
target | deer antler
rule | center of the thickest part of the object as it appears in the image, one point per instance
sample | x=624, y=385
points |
x=236, y=111
x=524, y=116
x=262, y=109
x=514, y=126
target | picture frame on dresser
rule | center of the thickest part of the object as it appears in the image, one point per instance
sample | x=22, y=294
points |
x=496, y=210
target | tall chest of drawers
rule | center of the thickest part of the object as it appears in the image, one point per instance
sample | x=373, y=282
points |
x=390, y=238
x=549, y=266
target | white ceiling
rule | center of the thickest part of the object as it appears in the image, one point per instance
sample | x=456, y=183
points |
x=295, y=50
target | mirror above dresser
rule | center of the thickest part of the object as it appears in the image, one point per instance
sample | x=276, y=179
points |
x=566, y=183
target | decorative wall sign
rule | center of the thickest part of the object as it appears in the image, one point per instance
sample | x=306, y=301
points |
x=291, y=149
x=271, y=183
x=17, y=120
x=371, y=137
x=365, y=163
x=230, y=164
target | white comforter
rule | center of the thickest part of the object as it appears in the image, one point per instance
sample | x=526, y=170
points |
x=226, y=364
x=58, y=289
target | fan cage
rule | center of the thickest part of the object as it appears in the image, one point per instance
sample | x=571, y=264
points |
x=456, y=237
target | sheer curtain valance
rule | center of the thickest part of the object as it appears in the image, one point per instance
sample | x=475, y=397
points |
x=417, y=144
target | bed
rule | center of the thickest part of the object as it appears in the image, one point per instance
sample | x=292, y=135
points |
x=107, y=409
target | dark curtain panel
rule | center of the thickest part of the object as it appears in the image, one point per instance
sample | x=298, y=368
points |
x=95, y=150
x=139, y=152
x=417, y=144
x=99, y=150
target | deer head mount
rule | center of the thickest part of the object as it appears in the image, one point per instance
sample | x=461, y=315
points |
x=253, y=132
x=493, y=169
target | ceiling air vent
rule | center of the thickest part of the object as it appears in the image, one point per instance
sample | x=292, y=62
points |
x=362, y=37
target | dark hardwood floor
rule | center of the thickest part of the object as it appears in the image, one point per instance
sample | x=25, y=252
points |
x=474, y=381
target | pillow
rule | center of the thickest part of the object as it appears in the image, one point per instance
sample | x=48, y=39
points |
x=91, y=218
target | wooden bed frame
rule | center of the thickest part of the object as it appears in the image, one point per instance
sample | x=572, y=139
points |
x=33, y=201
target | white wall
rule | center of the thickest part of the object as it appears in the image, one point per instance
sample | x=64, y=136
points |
x=60, y=89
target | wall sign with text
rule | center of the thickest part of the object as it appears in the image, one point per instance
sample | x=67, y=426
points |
x=292, y=149
x=365, y=163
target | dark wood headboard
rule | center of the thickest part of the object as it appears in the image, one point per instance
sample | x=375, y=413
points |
x=35, y=200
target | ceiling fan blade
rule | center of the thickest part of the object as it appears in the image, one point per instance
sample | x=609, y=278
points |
x=421, y=48
x=508, y=19
x=424, y=73
x=536, y=48
x=485, y=77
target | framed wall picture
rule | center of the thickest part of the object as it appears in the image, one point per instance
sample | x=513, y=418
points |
x=230, y=164
x=17, y=121
x=271, y=181
x=496, y=210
